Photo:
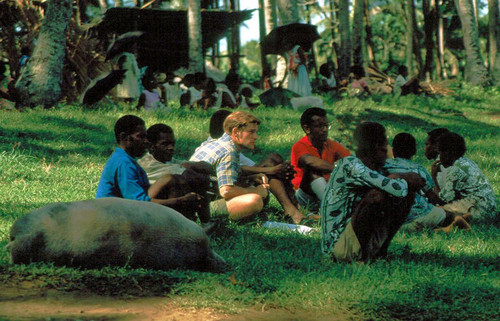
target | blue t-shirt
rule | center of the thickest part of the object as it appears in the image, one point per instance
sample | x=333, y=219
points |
x=123, y=177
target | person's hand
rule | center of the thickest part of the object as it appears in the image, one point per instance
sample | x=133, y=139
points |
x=191, y=198
x=435, y=168
x=262, y=190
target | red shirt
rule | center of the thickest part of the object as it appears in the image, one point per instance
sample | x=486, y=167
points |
x=332, y=152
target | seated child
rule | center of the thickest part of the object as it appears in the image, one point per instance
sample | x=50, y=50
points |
x=327, y=78
x=464, y=189
x=404, y=86
x=246, y=94
x=359, y=86
x=150, y=97
x=423, y=213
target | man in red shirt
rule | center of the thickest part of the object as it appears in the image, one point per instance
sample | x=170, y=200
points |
x=313, y=158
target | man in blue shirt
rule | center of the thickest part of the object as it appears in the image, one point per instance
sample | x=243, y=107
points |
x=122, y=176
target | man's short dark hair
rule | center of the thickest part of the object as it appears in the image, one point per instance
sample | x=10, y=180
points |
x=154, y=132
x=358, y=71
x=434, y=134
x=308, y=114
x=127, y=124
x=452, y=143
x=404, y=145
x=217, y=123
x=367, y=137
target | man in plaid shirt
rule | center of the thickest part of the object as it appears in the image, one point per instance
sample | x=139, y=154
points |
x=224, y=154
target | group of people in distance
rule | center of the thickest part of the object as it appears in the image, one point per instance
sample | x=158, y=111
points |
x=361, y=201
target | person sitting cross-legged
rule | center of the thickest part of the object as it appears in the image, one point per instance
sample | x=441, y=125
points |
x=184, y=184
x=313, y=158
x=423, y=213
x=279, y=171
x=363, y=209
x=464, y=190
x=244, y=196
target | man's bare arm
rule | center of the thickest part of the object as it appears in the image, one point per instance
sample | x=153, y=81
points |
x=316, y=164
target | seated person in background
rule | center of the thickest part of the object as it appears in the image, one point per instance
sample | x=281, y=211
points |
x=243, y=198
x=209, y=94
x=464, y=189
x=191, y=84
x=363, y=209
x=313, y=158
x=359, y=86
x=431, y=152
x=404, y=86
x=122, y=176
x=423, y=213
x=273, y=166
x=150, y=97
x=182, y=183
x=246, y=93
x=327, y=78
x=228, y=95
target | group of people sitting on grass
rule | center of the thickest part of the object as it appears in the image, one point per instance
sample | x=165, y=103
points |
x=361, y=201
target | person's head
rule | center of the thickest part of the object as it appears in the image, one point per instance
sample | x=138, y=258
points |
x=25, y=51
x=430, y=148
x=242, y=127
x=404, y=145
x=161, y=140
x=188, y=80
x=233, y=81
x=130, y=134
x=199, y=80
x=246, y=92
x=325, y=70
x=149, y=82
x=403, y=71
x=209, y=85
x=358, y=71
x=451, y=146
x=371, y=142
x=315, y=124
x=217, y=123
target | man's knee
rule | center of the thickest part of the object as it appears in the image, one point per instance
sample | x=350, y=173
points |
x=244, y=206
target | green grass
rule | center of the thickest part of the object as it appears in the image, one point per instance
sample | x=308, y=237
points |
x=57, y=155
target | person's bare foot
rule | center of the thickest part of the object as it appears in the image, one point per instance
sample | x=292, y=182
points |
x=459, y=222
x=296, y=216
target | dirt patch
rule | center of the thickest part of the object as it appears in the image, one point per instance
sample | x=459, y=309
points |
x=28, y=301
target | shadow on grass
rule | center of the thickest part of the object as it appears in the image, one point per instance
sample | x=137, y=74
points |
x=431, y=301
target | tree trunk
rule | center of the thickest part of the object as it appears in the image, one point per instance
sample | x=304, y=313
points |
x=194, y=32
x=332, y=26
x=440, y=41
x=262, y=33
x=270, y=22
x=103, y=4
x=40, y=84
x=475, y=71
x=118, y=3
x=288, y=11
x=428, y=8
x=369, y=39
x=357, y=32
x=345, y=40
x=494, y=40
x=409, y=9
x=235, y=39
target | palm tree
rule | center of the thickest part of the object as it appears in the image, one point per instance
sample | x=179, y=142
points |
x=345, y=39
x=194, y=32
x=40, y=83
x=288, y=11
x=475, y=71
x=357, y=32
x=494, y=38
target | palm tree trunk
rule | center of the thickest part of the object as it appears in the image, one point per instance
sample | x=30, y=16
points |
x=494, y=40
x=410, y=31
x=475, y=71
x=288, y=11
x=345, y=40
x=369, y=38
x=118, y=3
x=440, y=40
x=194, y=31
x=357, y=32
x=40, y=84
x=103, y=4
x=428, y=8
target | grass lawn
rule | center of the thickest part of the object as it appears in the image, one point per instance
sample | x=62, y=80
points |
x=57, y=155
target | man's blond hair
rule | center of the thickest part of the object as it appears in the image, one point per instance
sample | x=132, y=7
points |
x=239, y=120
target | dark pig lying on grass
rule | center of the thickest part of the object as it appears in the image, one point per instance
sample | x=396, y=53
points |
x=112, y=231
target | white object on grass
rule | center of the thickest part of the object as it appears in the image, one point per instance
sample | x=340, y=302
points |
x=302, y=229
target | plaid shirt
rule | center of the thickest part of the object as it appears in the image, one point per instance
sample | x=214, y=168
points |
x=222, y=154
